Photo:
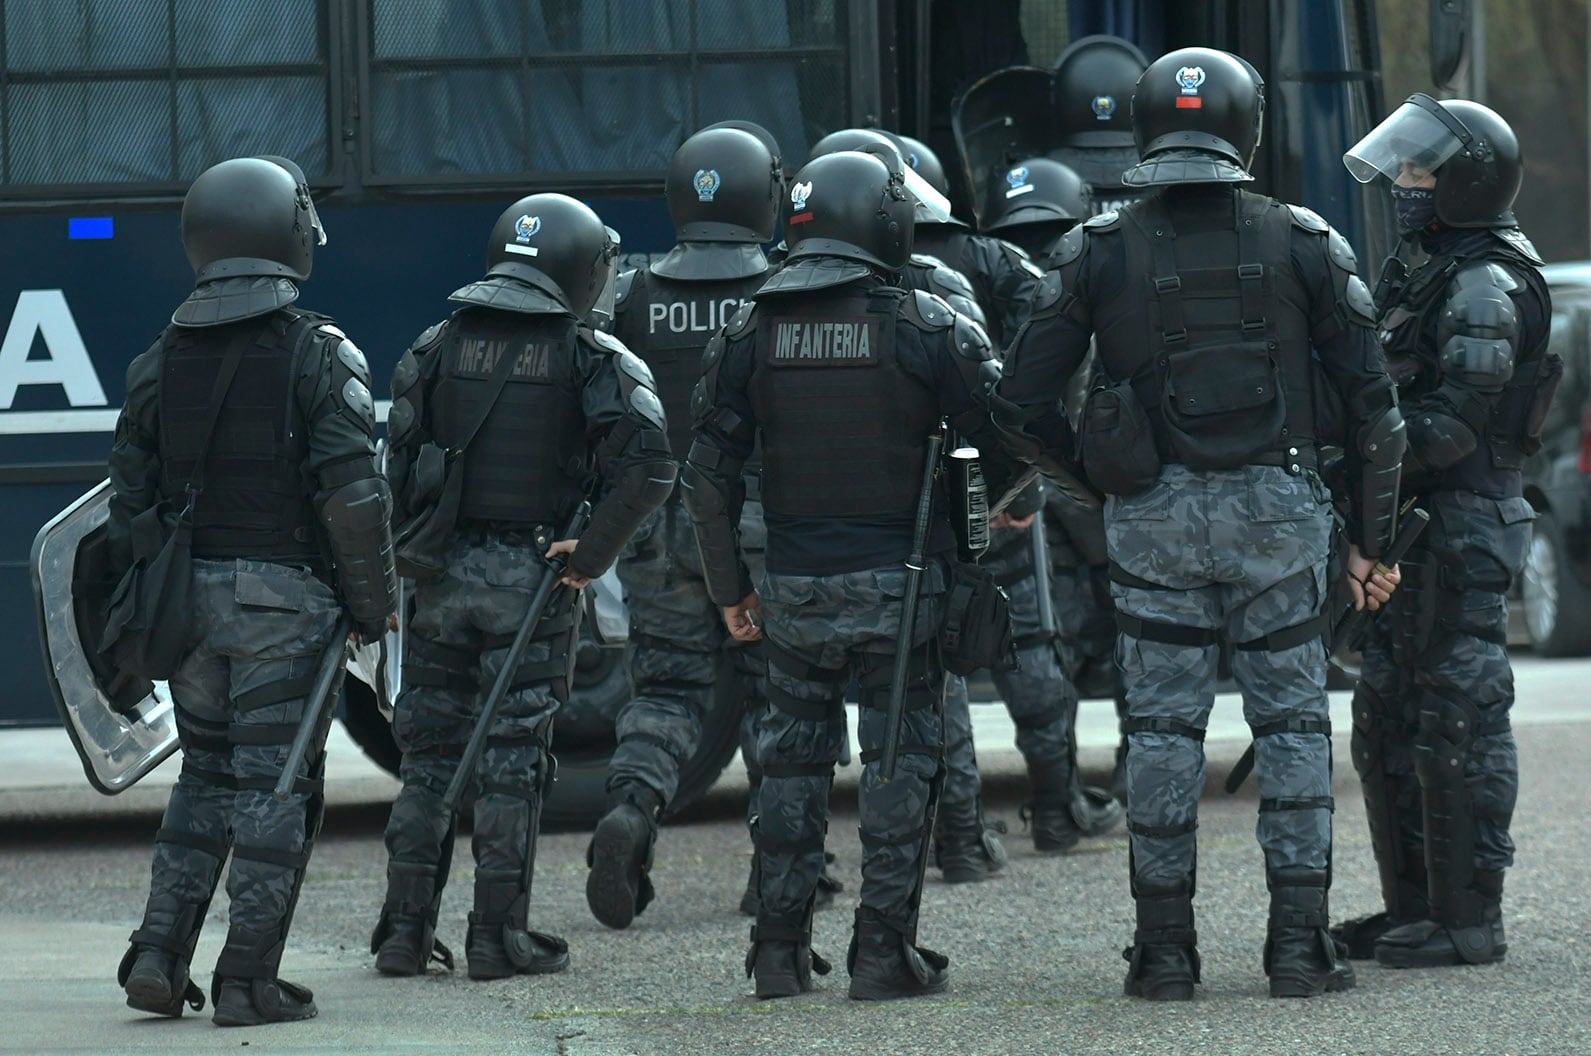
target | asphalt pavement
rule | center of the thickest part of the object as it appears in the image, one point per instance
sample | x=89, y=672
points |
x=1035, y=953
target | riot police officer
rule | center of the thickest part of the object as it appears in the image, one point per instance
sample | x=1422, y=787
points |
x=1035, y=202
x=842, y=375
x=1091, y=120
x=572, y=414
x=1466, y=336
x=967, y=846
x=1002, y=276
x=260, y=415
x=1217, y=522
x=723, y=190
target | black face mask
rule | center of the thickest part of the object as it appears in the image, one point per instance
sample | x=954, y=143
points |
x=1416, y=206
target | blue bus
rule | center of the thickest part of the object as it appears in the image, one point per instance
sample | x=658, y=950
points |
x=417, y=120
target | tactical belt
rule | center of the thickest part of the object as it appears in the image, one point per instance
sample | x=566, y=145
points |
x=1293, y=459
x=1203, y=637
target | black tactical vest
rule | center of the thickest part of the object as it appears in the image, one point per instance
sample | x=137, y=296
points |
x=528, y=464
x=844, y=428
x=1212, y=328
x=256, y=500
x=668, y=323
x=1409, y=333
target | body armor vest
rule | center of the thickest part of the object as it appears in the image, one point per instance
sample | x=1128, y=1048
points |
x=528, y=464
x=844, y=428
x=1221, y=360
x=1408, y=328
x=256, y=500
x=668, y=324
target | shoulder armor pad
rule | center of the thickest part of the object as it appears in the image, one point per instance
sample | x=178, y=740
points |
x=740, y=322
x=1048, y=293
x=356, y=395
x=1025, y=262
x=623, y=287
x=634, y=367
x=927, y=311
x=1308, y=219
x=353, y=360
x=1341, y=252
x=603, y=340
x=1485, y=273
x=328, y=328
x=430, y=336
x=1106, y=221
x=1070, y=246
x=949, y=279
x=1359, y=300
x=970, y=340
x=644, y=401
x=926, y=260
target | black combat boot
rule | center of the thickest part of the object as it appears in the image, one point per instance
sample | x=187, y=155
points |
x=781, y=959
x=1358, y=936
x=829, y=885
x=1301, y=957
x=1049, y=815
x=154, y=971
x=1163, y=961
x=966, y=848
x=620, y=855
x=245, y=989
x=499, y=944
x=1470, y=931
x=404, y=940
x=885, y=964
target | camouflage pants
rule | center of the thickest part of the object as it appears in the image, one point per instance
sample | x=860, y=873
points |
x=676, y=650
x=259, y=631
x=821, y=632
x=455, y=645
x=1038, y=694
x=1242, y=550
x=1431, y=728
x=1085, y=621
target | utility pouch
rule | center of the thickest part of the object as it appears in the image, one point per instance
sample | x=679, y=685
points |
x=1223, y=404
x=1521, y=413
x=1118, y=445
x=977, y=628
x=421, y=543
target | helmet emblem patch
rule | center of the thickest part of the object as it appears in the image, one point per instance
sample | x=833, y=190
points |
x=525, y=228
x=1104, y=107
x=707, y=182
x=1189, y=78
x=1017, y=181
x=799, y=193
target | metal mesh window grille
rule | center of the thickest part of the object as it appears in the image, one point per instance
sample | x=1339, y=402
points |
x=461, y=90
x=141, y=94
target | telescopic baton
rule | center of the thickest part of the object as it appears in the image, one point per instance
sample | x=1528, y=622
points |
x=915, y=566
x=316, y=708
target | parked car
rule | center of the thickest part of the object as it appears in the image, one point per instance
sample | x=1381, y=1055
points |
x=1555, y=591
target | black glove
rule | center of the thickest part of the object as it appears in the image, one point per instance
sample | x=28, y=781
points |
x=370, y=631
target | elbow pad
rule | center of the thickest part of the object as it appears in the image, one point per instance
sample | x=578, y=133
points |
x=1479, y=329
x=357, y=513
x=1437, y=440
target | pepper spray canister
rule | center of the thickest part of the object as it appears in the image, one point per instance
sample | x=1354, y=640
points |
x=969, y=503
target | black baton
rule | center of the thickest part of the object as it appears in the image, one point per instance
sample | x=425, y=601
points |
x=316, y=708
x=915, y=565
x=538, y=606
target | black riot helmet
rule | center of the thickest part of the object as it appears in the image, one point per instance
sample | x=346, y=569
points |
x=920, y=157
x=1038, y=191
x=556, y=245
x=852, y=205
x=723, y=186
x=1472, y=151
x=249, y=217
x=1196, y=116
x=1093, y=86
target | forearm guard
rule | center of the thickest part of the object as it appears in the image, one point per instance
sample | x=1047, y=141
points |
x=644, y=483
x=1381, y=442
x=1041, y=436
x=713, y=503
x=355, y=507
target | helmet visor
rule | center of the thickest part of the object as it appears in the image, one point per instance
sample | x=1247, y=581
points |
x=600, y=317
x=1411, y=135
x=929, y=206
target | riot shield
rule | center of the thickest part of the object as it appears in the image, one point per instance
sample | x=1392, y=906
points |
x=122, y=726
x=999, y=120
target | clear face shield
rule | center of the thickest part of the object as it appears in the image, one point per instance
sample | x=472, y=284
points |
x=600, y=317
x=928, y=205
x=1418, y=135
x=306, y=202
